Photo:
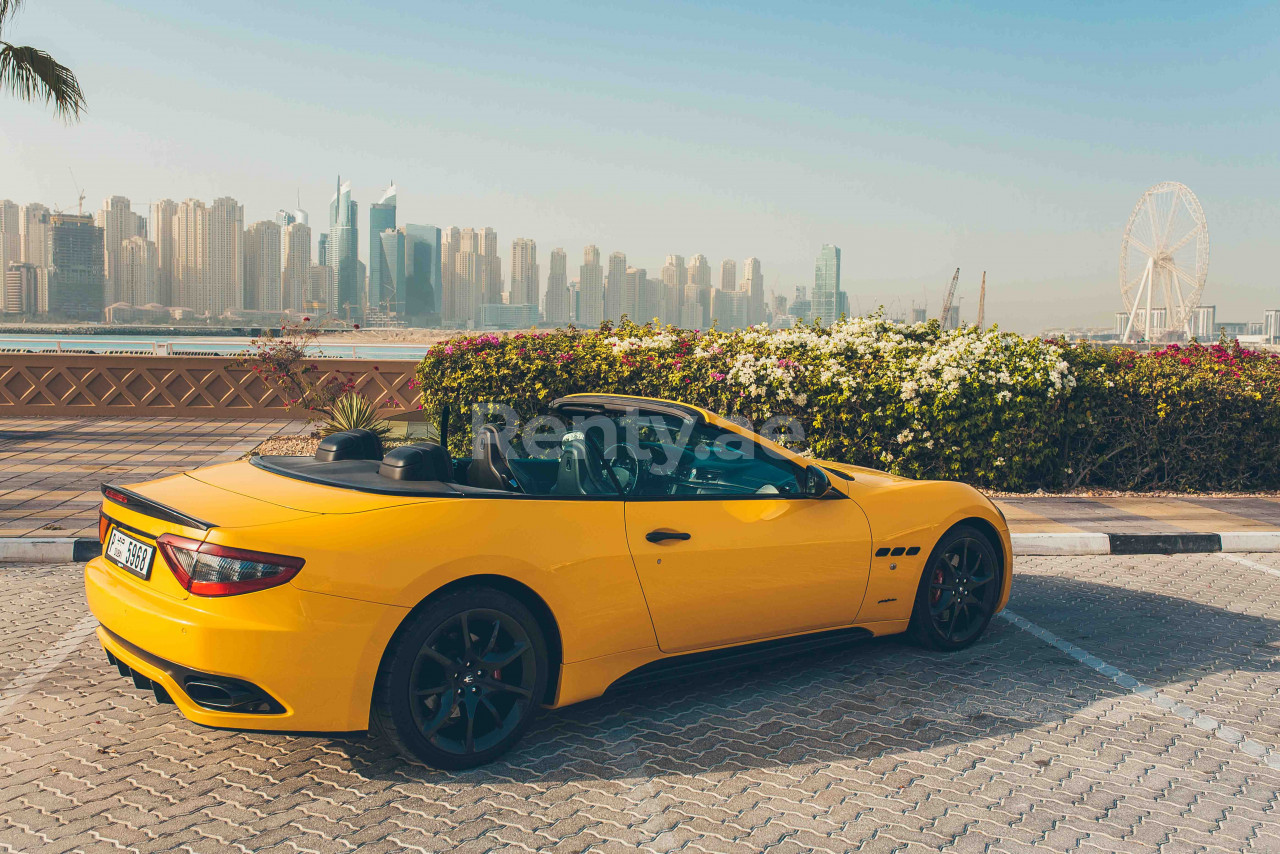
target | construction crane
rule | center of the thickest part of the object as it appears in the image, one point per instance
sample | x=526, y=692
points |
x=946, y=303
x=982, y=300
x=79, y=189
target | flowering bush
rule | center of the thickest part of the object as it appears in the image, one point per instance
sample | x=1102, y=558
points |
x=285, y=361
x=1186, y=417
x=987, y=407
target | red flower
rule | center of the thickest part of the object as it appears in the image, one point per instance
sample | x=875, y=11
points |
x=355, y=326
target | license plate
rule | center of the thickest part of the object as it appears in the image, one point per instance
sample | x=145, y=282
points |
x=130, y=554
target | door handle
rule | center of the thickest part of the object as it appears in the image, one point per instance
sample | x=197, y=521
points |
x=660, y=536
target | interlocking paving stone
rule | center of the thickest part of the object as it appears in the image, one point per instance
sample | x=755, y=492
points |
x=1008, y=746
x=51, y=468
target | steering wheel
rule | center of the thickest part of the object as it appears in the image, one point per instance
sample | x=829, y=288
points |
x=625, y=465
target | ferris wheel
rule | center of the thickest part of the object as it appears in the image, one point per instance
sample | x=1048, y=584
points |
x=1164, y=259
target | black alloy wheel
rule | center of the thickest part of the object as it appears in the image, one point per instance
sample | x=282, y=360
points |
x=958, y=591
x=462, y=680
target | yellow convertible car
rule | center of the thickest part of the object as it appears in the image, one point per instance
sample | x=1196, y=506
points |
x=440, y=602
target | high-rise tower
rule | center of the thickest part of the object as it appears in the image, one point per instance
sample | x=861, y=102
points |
x=226, y=256
x=382, y=218
x=826, y=285
x=341, y=254
x=558, y=307
x=262, y=286
x=524, y=272
x=590, y=289
x=615, y=286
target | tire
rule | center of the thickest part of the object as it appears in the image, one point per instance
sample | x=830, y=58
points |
x=963, y=567
x=431, y=706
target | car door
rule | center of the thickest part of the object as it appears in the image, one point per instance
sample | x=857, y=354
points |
x=729, y=550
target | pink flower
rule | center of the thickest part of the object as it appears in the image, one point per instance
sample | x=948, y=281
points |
x=717, y=376
x=448, y=349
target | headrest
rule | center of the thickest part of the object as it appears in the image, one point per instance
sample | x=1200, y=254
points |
x=349, y=445
x=422, y=461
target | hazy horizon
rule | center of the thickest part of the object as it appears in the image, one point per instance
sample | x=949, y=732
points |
x=917, y=139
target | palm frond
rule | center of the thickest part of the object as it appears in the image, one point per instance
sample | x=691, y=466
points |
x=8, y=8
x=33, y=75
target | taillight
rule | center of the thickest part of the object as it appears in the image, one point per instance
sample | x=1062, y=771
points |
x=115, y=495
x=206, y=569
x=104, y=524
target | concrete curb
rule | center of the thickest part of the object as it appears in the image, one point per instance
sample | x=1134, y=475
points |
x=1089, y=543
x=48, y=549
x=78, y=549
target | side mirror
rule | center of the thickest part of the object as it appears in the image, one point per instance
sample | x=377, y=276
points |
x=818, y=485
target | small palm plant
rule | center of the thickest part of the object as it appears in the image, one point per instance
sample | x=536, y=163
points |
x=353, y=412
x=33, y=75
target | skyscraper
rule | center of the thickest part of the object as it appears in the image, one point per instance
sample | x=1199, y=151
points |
x=262, y=252
x=137, y=267
x=118, y=223
x=826, y=285
x=320, y=287
x=35, y=235
x=615, y=285
x=634, y=303
x=191, y=255
x=226, y=256
x=491, y=267
x=728, y=275
x=347, y=300
x=753, y=285
x=22, y=294
x=674, y=277
x=422, y=271
x=322, y=244
x=698, y=291
x=10, y=235
x=76, y=271
x=558, y=307
x=392, y=288
x=452, y=303
x=296, y=245
x=284, y=219
x=524, y=272
x=162, y=234
x=729, y=308
x=591, y=289
x=35, y=251
x=382, y=218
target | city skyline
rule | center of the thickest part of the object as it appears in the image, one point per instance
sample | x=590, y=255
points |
x=202, y=261
x=1009, y=140
x=451, y=277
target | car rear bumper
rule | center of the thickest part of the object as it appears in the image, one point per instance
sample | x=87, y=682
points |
x=278, y=659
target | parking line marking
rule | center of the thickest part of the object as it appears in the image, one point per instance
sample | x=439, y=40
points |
x=1252, y=564
x=1210, y=725
x=53, y=656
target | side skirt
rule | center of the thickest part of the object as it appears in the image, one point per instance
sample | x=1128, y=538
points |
x=736, y=657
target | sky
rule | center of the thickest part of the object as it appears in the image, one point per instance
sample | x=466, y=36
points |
x=1006, y=137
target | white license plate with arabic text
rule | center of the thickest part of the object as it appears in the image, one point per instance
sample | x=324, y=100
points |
x=131, y=554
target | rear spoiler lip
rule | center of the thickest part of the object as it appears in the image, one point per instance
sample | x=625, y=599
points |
x=154, y=509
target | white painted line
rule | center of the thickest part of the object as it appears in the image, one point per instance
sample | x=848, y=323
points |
x=1252, y=564
x=1210, y=725
x=1081, y=543
x=53, y=656
x=1250, y=541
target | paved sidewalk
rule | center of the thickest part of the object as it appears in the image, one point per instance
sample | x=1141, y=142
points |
x=51, y=468
x=1056, y=514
